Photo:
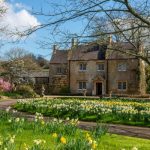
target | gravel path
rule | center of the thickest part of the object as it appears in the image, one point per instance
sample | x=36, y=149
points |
x=141, y=132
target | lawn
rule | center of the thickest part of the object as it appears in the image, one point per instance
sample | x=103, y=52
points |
x=8, y=96
x=26, y=132
x=131, y=112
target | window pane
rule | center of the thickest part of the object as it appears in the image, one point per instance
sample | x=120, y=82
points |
x=80, y=85
x=84, y=66
x=59, y=70
x=100, y=67
x=84, y=85
x=119, y=85
x=80, y=66
x=124, y=85
x=122, y=67
x=119, y=67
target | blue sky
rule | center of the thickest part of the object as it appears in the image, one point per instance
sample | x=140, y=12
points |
x=23, y=7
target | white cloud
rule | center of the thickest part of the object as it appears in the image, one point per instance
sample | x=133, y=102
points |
x=22, y=6
x=17, y=17
x=1, y=1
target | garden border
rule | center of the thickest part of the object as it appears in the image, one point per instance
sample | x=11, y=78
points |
x=140, y=132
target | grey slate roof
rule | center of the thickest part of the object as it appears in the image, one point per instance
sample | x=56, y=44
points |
x=86, y=52
x=59, y=56
x=124, y=47
x=90, y=52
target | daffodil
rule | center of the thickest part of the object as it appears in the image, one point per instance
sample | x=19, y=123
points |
x=8, y=109
x=94, y=145
x=134, y=148
x=1, y=143
x=63, y=140
x=26, y=147
x=17, y=119
x=55, y=135
x=87, y=135
x=37, y=142
x=42, y=122
x=9, y=120
x=90, y=140
x=11, y=140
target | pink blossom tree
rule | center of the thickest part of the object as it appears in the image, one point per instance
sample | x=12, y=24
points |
x=5, y=85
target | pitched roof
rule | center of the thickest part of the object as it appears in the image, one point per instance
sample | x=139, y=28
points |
x=59, y=56
x=88, y=52
x=91, y=51
x=123, y=51
x=37, y=73
x=124, y=45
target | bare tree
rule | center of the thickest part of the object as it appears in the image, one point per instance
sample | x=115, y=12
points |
x=77, y=9
x=15, y=53
x=19, y=63
x=127, y=19
x=3, y=10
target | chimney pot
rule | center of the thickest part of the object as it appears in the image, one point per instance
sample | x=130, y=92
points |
x=74, y=42
x=110, y=39
x=54, y=48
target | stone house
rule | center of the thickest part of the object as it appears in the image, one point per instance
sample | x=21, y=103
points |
x=58, y=71
x=39, y=78
x=96, y=69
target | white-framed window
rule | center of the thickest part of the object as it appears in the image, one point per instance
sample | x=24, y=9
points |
x=82, y=66
x=122, y=67
x=82, y=85
x=100, y=67
x=122, y=85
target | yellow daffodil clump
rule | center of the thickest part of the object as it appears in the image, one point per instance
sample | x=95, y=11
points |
x=54, y=135
x=63, y=140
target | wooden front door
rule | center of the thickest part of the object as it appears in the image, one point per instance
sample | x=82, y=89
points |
x=99, y=88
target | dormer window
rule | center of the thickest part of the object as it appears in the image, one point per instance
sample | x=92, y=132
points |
x=82, y=66
x=100, y=67
x=122, y=67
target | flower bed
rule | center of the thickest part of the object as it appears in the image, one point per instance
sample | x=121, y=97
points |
x=63, y=134
x=107, y=111
x=38, y=134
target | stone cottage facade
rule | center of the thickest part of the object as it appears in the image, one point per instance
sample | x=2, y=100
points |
x=97, y=69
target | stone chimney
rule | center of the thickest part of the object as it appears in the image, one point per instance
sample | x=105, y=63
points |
x=74, y=42
x=109, y=46
x=110, y=40
x=54, y=48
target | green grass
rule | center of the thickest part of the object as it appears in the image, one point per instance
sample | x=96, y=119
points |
x=108, y=119
x=107, y=142
x=118, y=142
x=9, y=95
x=26, y=136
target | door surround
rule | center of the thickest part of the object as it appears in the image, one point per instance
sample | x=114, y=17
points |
x=99, y=79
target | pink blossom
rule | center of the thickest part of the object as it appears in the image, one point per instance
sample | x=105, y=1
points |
x=5, y=85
